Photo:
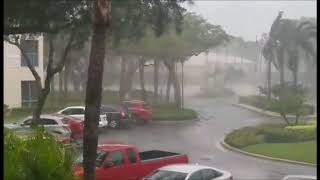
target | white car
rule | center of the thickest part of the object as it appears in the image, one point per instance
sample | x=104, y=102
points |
x=299, y=177
x=51, y=123
x=188, y=172
x=78, y=112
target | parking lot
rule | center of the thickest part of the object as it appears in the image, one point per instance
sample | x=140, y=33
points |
x=200, y=140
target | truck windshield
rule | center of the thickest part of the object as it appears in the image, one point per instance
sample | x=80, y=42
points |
x=166, y=175
x=101, y=155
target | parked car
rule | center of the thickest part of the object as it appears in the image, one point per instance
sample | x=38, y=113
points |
x=125, y=162
x=139, y=110
x=117, y=116
x=49, y=122
x=76, y=125
x=78, y=112
x=188, y=172
x=60, y=133
x=299, y=177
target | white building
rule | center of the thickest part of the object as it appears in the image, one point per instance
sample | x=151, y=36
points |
x=19, y=83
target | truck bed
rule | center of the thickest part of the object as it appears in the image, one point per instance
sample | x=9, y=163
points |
x=155, y=154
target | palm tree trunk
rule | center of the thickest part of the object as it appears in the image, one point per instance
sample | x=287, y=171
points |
x=182, y=85
x=131, y=70
x=295, y=74
x=269, y=79
x=281, y=66
x=176, y=86
x=122, y=79
x=169, y=82
x=101, y=20
x=52, y=86
x=156, y=79
x=65, y=81
x=141, y=75
x=60, y=83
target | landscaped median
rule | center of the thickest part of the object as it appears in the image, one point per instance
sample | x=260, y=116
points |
x=167, y=112
x=263, y=105
x=295, y=144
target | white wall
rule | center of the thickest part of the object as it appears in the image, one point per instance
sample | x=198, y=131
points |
x=14, y=73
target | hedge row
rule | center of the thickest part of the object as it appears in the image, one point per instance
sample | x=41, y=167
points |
x=270, y=133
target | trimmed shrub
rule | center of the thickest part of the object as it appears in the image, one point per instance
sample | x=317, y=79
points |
x=289, y=134
x=270, y=133
x=244, y=137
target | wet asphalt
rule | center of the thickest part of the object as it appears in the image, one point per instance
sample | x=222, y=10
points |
x=200, y=140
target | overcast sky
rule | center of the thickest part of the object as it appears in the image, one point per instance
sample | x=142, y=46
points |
x=250, y=18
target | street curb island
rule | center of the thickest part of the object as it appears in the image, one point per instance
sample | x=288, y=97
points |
x=269, y=113
x=227, y=146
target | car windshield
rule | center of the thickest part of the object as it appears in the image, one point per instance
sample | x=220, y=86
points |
x=101, y=155
x=166, y=175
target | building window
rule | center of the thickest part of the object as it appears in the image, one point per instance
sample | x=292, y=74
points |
x=30, y=47
x=29, y=93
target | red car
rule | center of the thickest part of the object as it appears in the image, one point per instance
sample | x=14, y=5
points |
x=76, y=125
x=125, y=162
x=140, y=110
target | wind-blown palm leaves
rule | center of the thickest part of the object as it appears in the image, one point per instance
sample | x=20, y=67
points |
x=293, y=38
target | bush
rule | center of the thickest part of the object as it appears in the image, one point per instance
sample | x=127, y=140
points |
x=244, y=137
x=270, y=133
x=289, y=134
x=35, y=157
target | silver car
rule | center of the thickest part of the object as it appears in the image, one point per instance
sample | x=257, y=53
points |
x=188, y=172
x=52, y=124
x=299, y=177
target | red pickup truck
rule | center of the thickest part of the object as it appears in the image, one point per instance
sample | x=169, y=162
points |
x=125, y=162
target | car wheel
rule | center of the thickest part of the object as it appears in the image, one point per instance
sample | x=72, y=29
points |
x=113, y=124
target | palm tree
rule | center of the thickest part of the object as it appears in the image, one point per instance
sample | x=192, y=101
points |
x=303, y=33
x=291, y=37
x=268, y=52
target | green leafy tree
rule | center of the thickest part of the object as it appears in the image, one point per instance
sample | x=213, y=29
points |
x=290, y=99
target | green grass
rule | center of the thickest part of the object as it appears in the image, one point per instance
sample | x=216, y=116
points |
x=173, y=114
x=170, y=112
x=301, y=151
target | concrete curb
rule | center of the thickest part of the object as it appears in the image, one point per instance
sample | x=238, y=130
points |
x=225, y=145
x=269, y=113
